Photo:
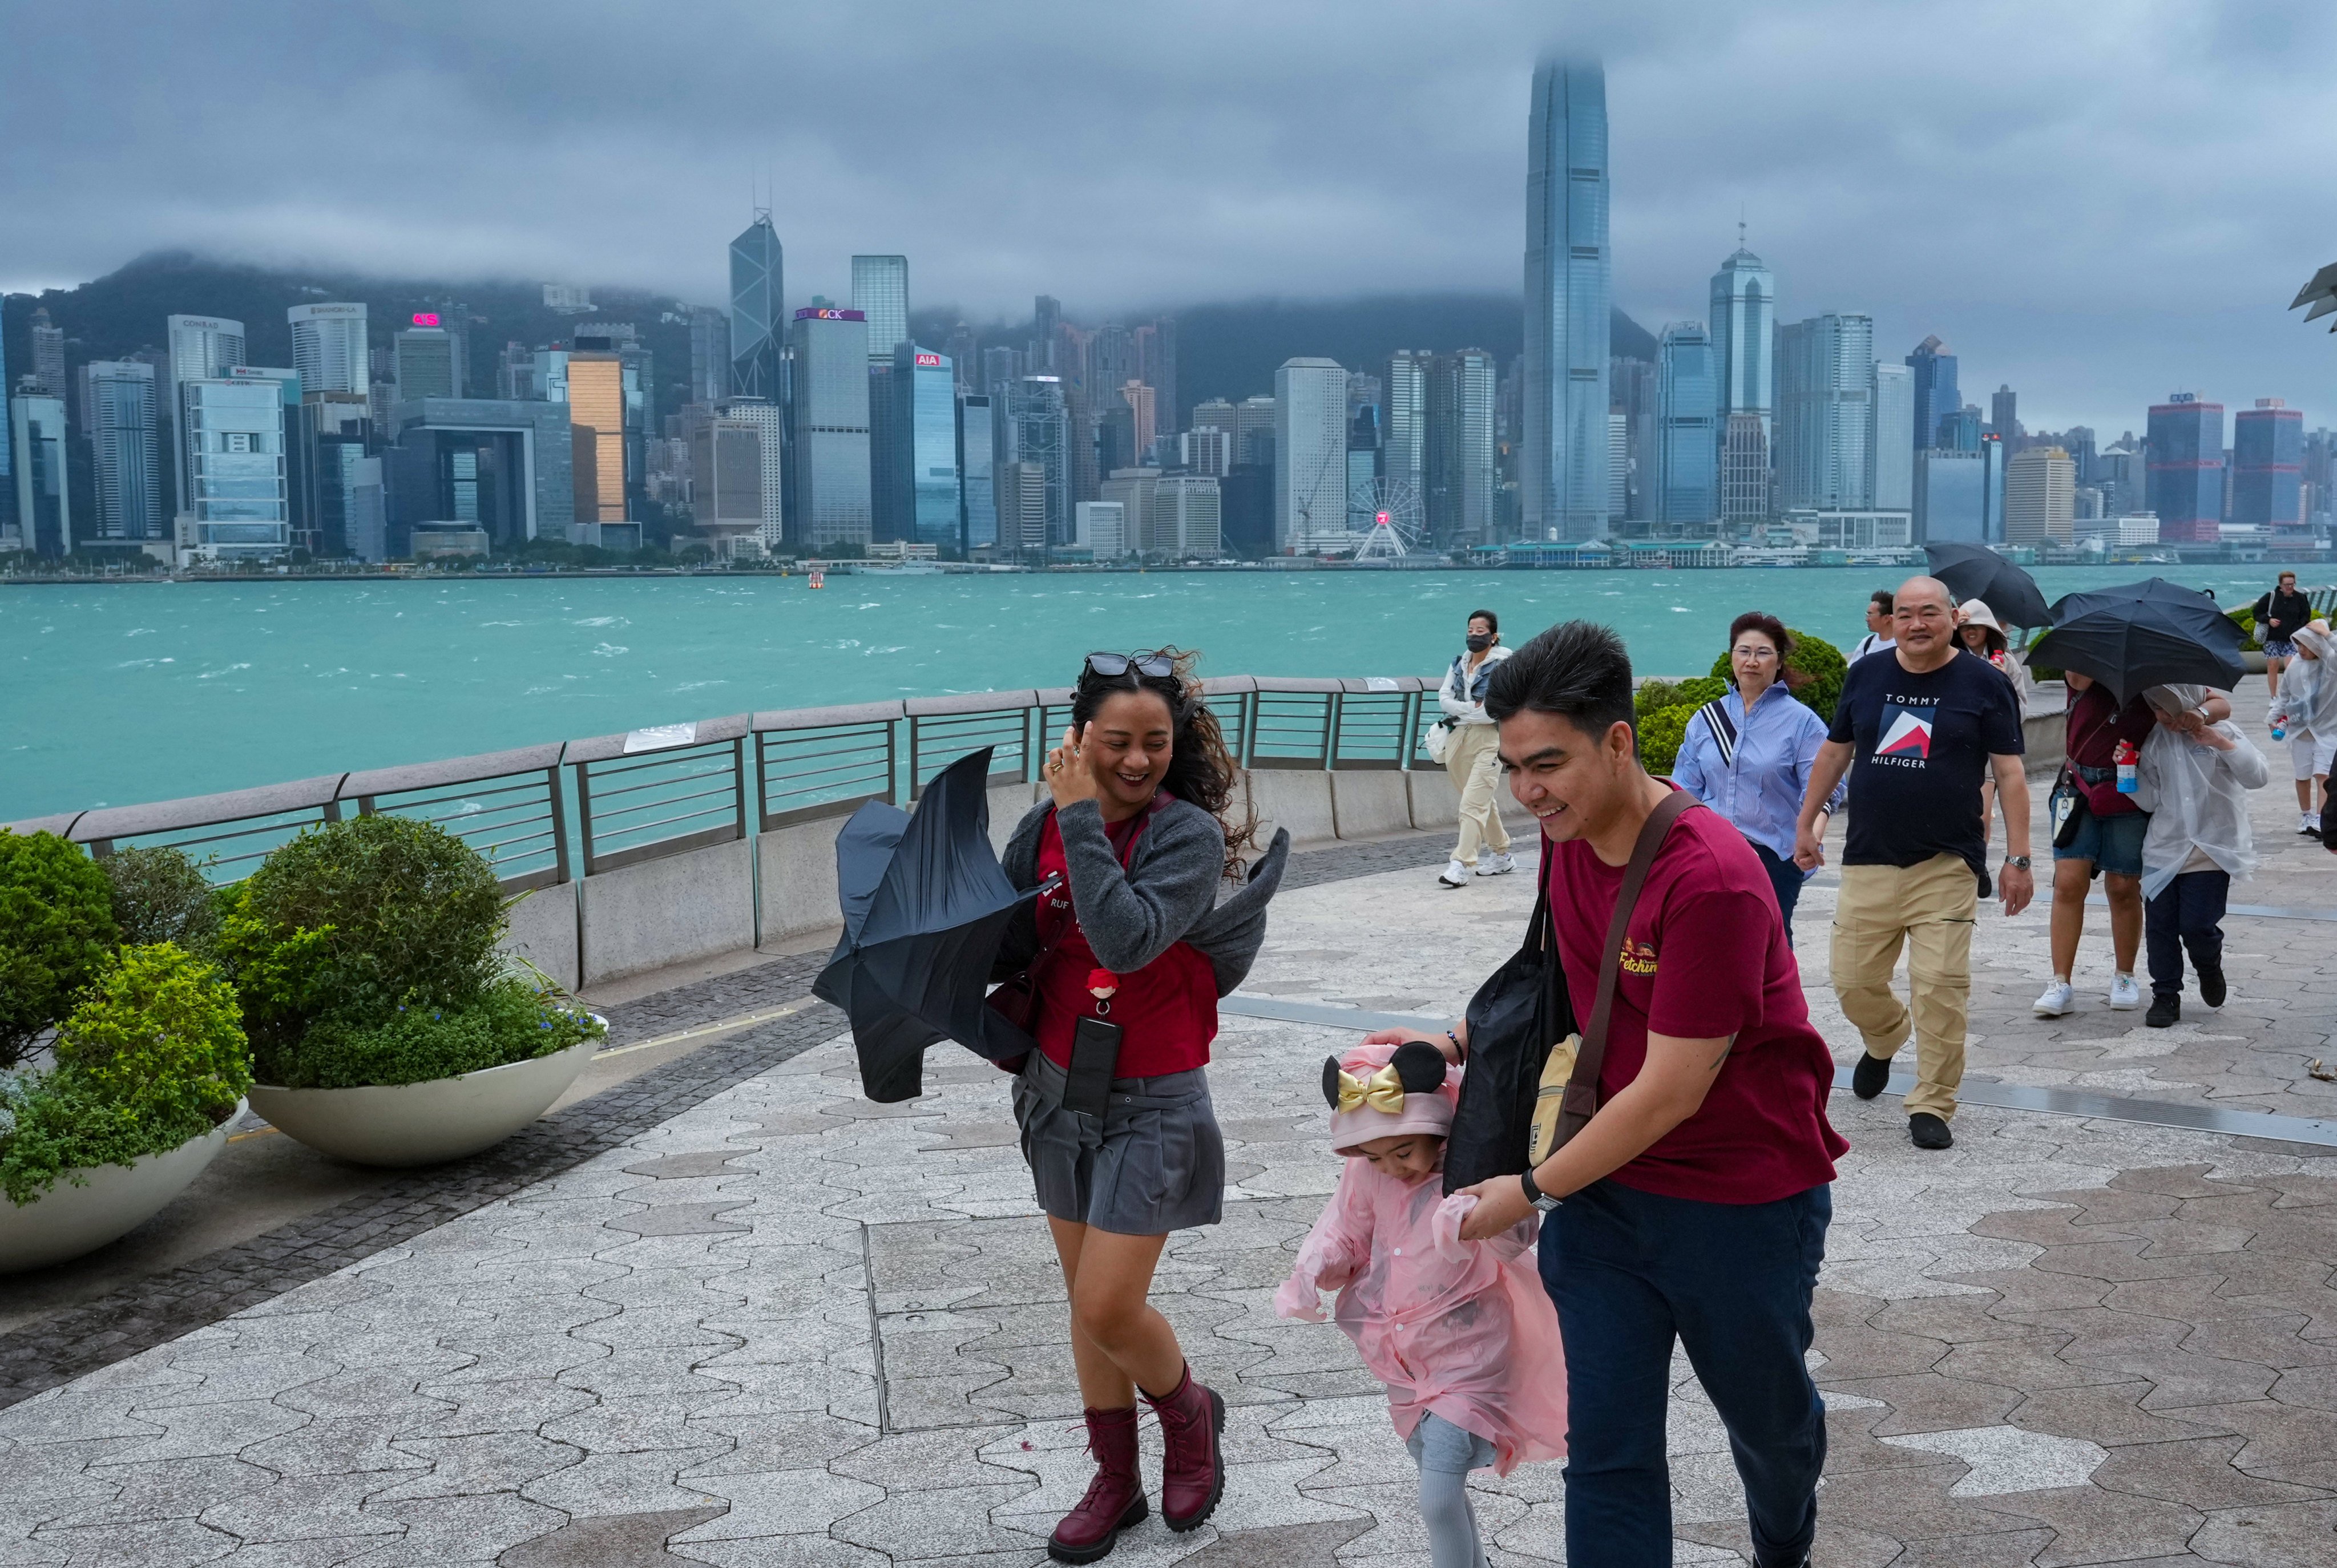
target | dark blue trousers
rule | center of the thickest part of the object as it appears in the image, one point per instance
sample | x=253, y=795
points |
x=1630, y=1272
x=1786, y=878
x=2188, y=913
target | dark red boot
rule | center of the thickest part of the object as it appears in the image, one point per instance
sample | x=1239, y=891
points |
x=1193, y=1469
x=1115, y=1498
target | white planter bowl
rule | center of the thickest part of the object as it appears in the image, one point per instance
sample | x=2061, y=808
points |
x=424, y=1124
x=68, y=1221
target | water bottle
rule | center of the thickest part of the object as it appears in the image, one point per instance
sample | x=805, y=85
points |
x=2279, y=730
x=2125, y=756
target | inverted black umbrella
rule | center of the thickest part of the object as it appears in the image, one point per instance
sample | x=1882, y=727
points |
x=925, y=904
x=2140, y=635
x=1976, y=572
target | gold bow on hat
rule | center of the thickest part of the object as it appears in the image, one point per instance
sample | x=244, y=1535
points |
x=1383, y=1091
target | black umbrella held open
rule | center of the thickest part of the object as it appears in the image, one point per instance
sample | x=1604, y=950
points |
x=1976, y=572
x=2140, y=635
x=925, y=904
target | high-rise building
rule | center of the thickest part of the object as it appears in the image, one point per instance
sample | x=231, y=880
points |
x=329, y=347
x=977, y=466
x=2040, y=495
x=504, y=465
x=1000, y=369
x=1745, y=341
x=1568, y=288
x=1459, y=505
x=924, y=473
x=1023, y=498
x=758, y=294
x=1156, y=366
x=1405, y=450
x=1255, y=421
x=2268, y=465
x=48, y=354
x=1363, y=460
x=1187, y=518
x=332, y=435
x=429, y=360
x=1310, y=453
x=201, y=347
x=1688, y=445
x=770, y=424
x=2185, y=484
x=1109, y=360
x=1890, y=439
x=9, y=537
x=709, y=354
x=2004, y=413
x=1100, y=528
x=880, y=291
x=1631, y=392
x=725, y=482
x=832, y=499
x=1825, y=373
x=1743, y=469
x=1143, y=409
x=1960, y=429
x=1951, y=501
x=239, y=500
x=44, y=493
x=1936, y=397
x=596, y=416
x=121, y=420
x=1619, y=464
x=1131, y=490
x=1038, y=433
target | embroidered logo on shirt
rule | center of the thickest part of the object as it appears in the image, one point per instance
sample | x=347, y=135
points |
x=1909, y=735
x=1639, y=957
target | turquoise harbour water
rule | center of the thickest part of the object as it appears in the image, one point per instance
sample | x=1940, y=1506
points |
x=120, y=693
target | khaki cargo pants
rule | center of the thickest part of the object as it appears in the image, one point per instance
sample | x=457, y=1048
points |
x=1929, y=908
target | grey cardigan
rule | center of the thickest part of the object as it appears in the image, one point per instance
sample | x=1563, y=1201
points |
x=1167, y=895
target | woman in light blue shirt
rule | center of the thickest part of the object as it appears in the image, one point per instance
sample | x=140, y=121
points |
x=1747, y=756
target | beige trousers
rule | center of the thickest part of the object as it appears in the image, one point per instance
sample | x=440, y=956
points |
x=1473, y=757
x=1929, y=908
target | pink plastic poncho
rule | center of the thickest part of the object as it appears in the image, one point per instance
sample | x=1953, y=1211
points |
x=1460, y=1327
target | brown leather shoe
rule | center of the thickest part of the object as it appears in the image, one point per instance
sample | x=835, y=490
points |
x=1115, y=1498
x=1193, y=1468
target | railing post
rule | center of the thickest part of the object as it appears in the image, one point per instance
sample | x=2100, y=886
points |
x=1333, y=714
x=739, y=782
x=584, y=815
x=559, y=821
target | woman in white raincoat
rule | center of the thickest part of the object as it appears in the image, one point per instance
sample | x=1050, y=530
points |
x=2194, y=776
x=2307, y=710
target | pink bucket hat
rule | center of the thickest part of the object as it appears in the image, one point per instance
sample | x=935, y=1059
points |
x=1386, y=1091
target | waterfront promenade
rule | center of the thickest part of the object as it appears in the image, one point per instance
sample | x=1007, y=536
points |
x=725, y=1311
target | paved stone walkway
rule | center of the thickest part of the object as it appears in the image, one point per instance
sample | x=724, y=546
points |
x=770, y=1323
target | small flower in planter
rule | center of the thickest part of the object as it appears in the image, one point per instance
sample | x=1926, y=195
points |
x=1102, y=984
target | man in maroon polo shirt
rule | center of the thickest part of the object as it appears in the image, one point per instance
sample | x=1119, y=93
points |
x=1693, y=1207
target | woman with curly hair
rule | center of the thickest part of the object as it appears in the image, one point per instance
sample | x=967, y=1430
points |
x=1127, y=956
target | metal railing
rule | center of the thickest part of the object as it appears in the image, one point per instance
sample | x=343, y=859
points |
x=545, y=813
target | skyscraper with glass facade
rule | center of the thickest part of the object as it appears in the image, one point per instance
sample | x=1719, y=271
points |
x=239, y=497
x=1936, y=397
x=1405, y=454
x=36, y=432
x=1687, y=444
x=329, y=347
x=977, y=466
x=1310, y=453
x=1825, y=375
x=832, y=499
x=922, y=472
x=1744, y=334
x=121, y=417
x=2268, y=465
x=1890, y=439
x=1038, y=435
x=756, y=292
x=880, y=291
x=1459, y=506
x=1563, y=474
x=2186, y=481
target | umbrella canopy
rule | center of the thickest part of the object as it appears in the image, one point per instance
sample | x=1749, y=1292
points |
x=1976, y=572
x=925, y=904
x=2140, y=635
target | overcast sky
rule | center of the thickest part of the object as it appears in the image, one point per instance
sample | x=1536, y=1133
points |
x=2098, y=203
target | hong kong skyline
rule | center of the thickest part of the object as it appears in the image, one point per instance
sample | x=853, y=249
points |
x=2098, y=217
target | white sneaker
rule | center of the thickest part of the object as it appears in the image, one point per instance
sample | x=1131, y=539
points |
x=2125, y=995
x=2306, y=822
x=1492, y=865
x=1456, y=875
x=2059, y=997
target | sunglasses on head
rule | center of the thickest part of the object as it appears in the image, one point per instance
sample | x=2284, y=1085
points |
x=1150, y=665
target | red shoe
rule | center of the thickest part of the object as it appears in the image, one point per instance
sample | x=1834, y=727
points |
x=1115, y=1498
x=1193, y=1469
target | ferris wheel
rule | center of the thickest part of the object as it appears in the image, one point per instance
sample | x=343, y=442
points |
x=1386, y=511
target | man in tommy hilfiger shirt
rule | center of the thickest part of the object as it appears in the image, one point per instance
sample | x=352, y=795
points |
x=1926, y=724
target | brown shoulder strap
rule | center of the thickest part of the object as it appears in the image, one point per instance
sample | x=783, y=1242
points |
x=1582, y=1090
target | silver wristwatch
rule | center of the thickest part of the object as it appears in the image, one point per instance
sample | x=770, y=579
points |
x=1540, y=1200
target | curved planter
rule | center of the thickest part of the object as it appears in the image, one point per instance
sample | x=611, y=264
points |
x=424, y=1124
x=68, y=1221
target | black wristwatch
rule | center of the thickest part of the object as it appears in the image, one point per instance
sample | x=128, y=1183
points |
x=1540, y=1200
x=2017, y=862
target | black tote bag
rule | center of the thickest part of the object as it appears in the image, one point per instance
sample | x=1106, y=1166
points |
x=1513, y=1019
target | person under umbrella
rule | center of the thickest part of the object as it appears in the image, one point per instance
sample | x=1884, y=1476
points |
x=1982, y=634
x=2305, y=712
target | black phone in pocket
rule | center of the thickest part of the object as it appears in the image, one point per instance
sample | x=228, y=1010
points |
x=1095, y=1061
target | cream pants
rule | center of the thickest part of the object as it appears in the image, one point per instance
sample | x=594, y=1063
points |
x=1473, y=759
x=1929, y=909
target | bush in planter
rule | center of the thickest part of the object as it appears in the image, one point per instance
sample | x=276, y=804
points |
x=511, y=1021
x=153, y=1056
x=160, y=895
x=56, y=927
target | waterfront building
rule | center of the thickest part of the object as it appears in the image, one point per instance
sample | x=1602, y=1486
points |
x=1825, y=373
x=1038, y=430
x=332, y=437
x=1890, y=439
x=709, y=354
x=2126, y=532
x=1131, y=490
x=1459, y=506
x=1247, y=503
x=770, y=424
x=1743, y=470
x=923, y=475
x=880, y=291
x=1687, y=386
x=1861, y=528
x=1310, y=453
x=1744, y=341
x=329, y=347
x=1254, y=422
x=1022, y=498
x=36, y=438
x=726, y=483
x=2268, y=466
x=1101, y=528
x=200, y=347
x=1568, y=288
x=1618, y=462
x=1405, y=449
x=121, y=420
x=238, y=503
x=758, y=269
x=1631, y=390
x=505, y=465
x=1954, y=499
x=977, y=466
x=1936, y=397
x=2184, y=487
x=429, y=361
x=2040, y=486
x=596, y=416
x=1188, y=519
x=832, y=504
x=48, y=354
x=1363, y=460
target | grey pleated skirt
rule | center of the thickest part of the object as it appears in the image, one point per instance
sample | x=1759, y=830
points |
x=1156, y=1163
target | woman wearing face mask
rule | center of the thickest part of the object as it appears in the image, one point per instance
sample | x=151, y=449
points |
x=1472, y=755
x=1127, y=956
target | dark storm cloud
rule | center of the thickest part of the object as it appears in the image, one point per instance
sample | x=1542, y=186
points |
x=2097, y=203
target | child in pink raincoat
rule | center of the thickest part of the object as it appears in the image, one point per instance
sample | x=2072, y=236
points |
x=1461, y=1332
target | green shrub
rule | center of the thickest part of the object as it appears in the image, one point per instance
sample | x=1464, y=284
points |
x=153, y=1056
x=1814, y=659
x=510, y=1021
x=1654, y=696
x=56, y=927
x=2245, y=618
x=159, y=896
x=1660, y=733
x=354, y=920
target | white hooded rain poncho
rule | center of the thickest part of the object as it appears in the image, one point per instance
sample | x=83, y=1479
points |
x=2197, y=794
x=2308, y=686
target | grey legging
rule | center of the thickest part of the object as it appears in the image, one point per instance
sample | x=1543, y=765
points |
x=1445, y=1455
